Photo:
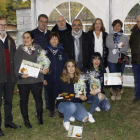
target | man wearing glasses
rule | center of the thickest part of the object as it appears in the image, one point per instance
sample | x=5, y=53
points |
x=41, y=37
x=7, y=75
x=135, y=53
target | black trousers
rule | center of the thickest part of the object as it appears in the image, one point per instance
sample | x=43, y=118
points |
x=50, y=91
x=6, y=89
x=24, y=90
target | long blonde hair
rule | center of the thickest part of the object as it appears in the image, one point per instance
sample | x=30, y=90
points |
x=65, y=77
x=93, y=25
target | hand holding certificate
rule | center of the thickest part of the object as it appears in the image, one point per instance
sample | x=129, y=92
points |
x=112, y=79
x=29, y=69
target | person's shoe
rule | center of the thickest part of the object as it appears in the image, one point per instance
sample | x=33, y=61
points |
x=12, y=125
x=90, y=118
x=51, y=114
x=72, y=119
x=60, y=115
x=136, y=99
x=27, y=123
x=66, y=125
x=97, y=109
x=35, y=113
x=1, y=133
x=118, y=97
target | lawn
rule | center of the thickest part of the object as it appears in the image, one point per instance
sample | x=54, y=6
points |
x=122, y=122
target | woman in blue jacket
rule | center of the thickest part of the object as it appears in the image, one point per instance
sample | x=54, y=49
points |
x=58, y=58
x=73, y=109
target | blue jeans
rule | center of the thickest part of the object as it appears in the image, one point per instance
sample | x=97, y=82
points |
x=70, y=109
x=113, y=68
x=136, y=71
x=46, y=97
x=96, y=102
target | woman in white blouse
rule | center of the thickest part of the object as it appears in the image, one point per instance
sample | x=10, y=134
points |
x=98, y=35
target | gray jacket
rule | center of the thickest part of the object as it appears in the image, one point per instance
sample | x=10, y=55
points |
x=19, y=56
x=113, y=58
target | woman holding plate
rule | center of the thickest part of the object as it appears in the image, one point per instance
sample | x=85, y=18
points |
x=29, y=51
x=74, y=108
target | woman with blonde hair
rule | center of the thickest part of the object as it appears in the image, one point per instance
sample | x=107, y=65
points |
x=98, y=35
x=74, y=108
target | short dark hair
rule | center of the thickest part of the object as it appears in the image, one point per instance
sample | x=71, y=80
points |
x=3, y=18
x=42, y=15
x=117, y=21
x=52, y=34
x=95, y=55
x=30, y=33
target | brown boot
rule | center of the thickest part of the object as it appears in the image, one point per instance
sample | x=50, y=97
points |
x=113, y=92
x=118, y=97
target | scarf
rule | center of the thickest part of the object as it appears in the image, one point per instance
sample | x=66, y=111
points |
x=76, y=44
x=116, y=36
x=29, y=50
x=54, y=50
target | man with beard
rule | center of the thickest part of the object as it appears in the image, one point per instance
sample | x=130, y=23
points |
x=61, y=27
x=7, y=75
x=78, y=45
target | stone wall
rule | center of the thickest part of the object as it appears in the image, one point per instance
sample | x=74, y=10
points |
x=23, y=22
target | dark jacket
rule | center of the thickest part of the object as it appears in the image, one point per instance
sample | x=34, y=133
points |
x=61, y=87
x=105, y=49
x=61, y=32
x=40, y=38
x=19, y=56
x=87, y=48
x=56, y=66
x=12, y=50
x=135, y=45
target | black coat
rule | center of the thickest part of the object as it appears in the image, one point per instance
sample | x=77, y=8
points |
x=105, y=49
x=61, y=32
x=87, y=49
x=135, y=45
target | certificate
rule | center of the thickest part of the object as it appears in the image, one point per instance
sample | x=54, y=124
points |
x=75, y=131
x=30, y=68
x=112, y=79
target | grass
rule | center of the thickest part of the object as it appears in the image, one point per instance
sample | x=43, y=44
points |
x=122, y=122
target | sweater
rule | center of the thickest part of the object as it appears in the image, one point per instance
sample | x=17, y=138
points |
x=61, y=87
x=19, y=56
x=56, y=67
x=40, y=38
x=113, y=58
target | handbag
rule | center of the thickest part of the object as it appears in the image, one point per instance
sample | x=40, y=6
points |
x=123, y=58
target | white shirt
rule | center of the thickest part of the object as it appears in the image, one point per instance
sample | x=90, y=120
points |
x=98, y=43
x=42, y=31
x=3, y=39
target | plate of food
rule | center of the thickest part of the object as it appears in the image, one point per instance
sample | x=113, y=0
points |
x=65, y=97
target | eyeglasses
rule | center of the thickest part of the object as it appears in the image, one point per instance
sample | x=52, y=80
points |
x=3, y=25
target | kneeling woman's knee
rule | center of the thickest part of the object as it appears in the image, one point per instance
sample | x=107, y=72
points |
x=101, y=96
x=107, y=107
x=71, y=107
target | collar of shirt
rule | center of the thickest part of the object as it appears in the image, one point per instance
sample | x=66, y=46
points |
x=3, y=39
x=42, y=31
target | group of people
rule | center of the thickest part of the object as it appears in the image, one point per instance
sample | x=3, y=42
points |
x=71, y=52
